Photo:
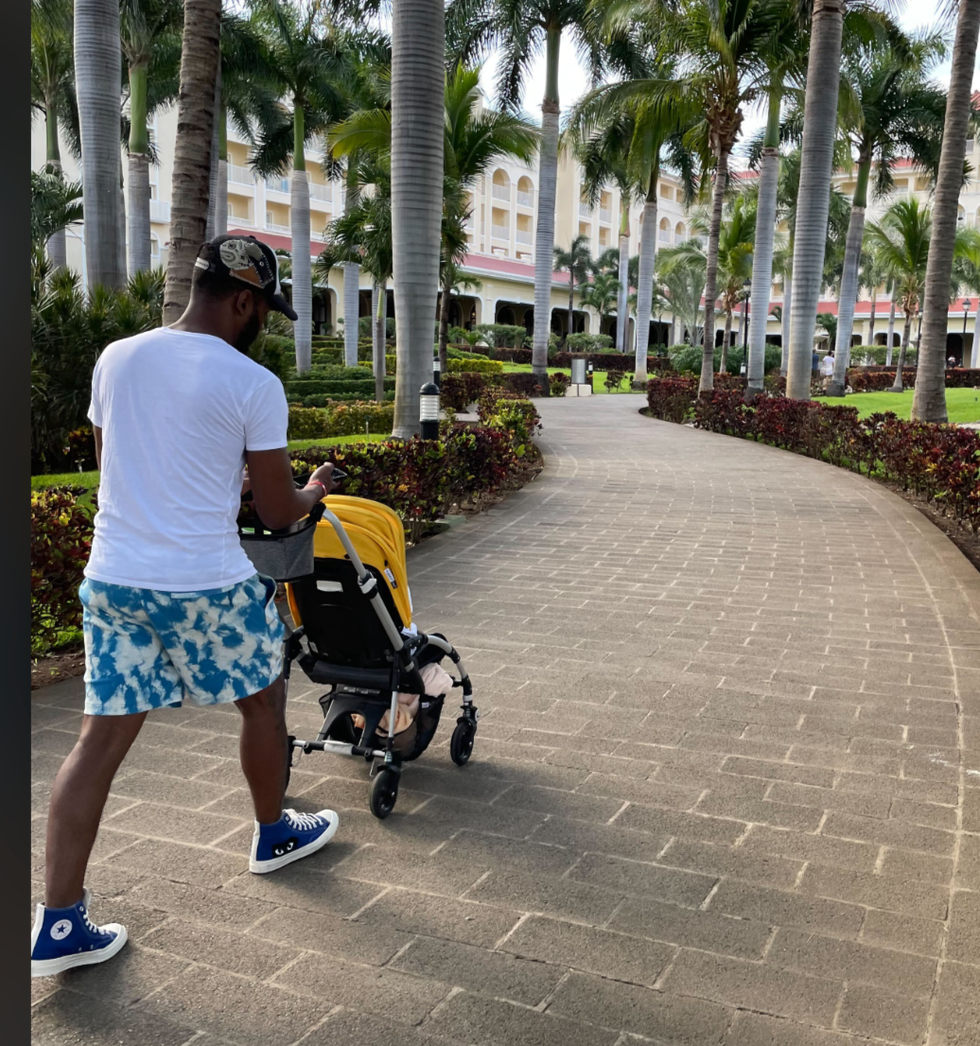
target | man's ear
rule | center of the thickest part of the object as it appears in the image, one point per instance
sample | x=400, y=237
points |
x=243, y=300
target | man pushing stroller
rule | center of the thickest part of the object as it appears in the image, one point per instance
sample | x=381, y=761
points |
x=173, y=608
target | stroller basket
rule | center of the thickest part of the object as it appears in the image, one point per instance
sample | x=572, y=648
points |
x=284, y=555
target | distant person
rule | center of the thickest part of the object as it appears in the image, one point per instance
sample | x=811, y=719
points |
x=827, y=370
x=815, y=363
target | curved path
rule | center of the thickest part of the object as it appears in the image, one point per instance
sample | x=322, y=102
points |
x=726, y=789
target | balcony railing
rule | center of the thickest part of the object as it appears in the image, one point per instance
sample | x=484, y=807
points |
x=501, y=192
x=524, y=236
x=159, y=210
x=282, y=229
x=321, y=192
x=277, y=184
x=584, y=210
x=501, y=232
x=525, y=199
x=240, y=175
x=605, y=214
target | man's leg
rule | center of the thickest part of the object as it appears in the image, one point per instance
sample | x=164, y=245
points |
x=264, y=749
x=78, y=798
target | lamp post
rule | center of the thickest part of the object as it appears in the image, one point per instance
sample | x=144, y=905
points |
x=429, y=411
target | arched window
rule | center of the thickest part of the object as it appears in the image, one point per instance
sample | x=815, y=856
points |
x=501, y=185
x=525, y=192
x=680, y=233
x=665, y=230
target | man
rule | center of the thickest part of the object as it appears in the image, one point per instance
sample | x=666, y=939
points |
x=173, y=608
x=827, y=369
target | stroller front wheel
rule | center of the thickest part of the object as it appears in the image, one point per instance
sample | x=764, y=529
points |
x=384, y=792
x=461, y=744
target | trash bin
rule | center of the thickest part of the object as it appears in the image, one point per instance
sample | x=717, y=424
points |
x=578, y=371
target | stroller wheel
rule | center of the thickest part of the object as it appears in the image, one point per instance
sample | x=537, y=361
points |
x=461, y=745
x=384, y=792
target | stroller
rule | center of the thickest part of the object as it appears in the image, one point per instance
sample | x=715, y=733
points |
x=354, y=613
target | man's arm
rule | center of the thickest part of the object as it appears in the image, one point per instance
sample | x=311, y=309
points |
x=277, y=501
x=97, y=433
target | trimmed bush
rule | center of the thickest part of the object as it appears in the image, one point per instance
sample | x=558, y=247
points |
x=474, y=366
x=61, y=537
x=503, y=335
x=521, y=356
x=522, y=382
x=590, y=343
x=672, y=399
x=341, y=419
x=458, y=391
x=613, y=361
x=879, y=379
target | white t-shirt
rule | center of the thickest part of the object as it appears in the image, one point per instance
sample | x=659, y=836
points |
x=827, y=366
x=177, y=413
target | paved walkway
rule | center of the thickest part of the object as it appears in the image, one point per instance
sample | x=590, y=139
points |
x=726, y=790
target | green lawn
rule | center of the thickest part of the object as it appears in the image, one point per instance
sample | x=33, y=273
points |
x=88, y=480
x=961, y=404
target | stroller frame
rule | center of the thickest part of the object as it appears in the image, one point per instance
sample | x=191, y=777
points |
x=352, y=685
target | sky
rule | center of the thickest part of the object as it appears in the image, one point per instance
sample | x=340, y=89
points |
x=573, y=80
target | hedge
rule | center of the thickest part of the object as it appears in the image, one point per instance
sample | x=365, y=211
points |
x=303, y=388
x=61, y=537
x=612, y=361
x=341, y=419
x=938, y=462
x=583, y=342
x=868, y=379
x=502, y=335
x=328, y=400
x=474, y=366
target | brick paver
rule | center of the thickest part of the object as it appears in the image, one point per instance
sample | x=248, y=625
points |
x=726, y=789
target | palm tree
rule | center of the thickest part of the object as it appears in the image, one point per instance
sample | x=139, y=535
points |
x=200, y=54
x=901, y=240
x=681, y=272
x=736, y=243
x=51, y=88
x=623, y=139
x=890, y=112
x=728, y=48
x=55, y=204
x=966, y=273
x=311, y=66
x=418, y=117
x=576, y=261
x=601, y=294
x=97, y=78
x=517, y=29
x=873, y=276
x=828, y=321
x=929, y=401
x=144, y=26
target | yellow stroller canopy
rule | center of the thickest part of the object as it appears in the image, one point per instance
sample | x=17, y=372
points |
x=377, y=535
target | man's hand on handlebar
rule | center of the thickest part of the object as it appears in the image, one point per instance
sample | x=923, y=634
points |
x=278, y=501
x=324, y=475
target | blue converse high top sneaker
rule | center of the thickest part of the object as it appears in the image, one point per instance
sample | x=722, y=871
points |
x=293, y=836
x=67, y=937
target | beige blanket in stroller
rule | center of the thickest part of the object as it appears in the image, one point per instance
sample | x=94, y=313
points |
x=437, y=683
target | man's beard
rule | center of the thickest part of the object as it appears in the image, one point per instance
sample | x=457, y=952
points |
x=248, y=334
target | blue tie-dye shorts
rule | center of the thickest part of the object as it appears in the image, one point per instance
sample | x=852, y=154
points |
x=146, y=649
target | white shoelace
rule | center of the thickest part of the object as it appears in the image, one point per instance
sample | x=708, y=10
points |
x=304, y=822
x=91, y=925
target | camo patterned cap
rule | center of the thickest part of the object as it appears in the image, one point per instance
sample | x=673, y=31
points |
x=247, y=259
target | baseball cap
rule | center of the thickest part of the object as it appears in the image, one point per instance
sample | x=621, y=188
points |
x=247, y=259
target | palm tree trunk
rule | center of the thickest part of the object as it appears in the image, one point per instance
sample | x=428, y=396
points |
x=644, y=292
x=622, y=300
x=813, y=206
x=138, y=204
x=121, y=217
x=786, y=322
x=221, y=190
x=299, y=228
x=871, y=321
x=765, y=229
x=417, y=138
x=571, y=304
x=723, y=366
x=929, y=401
x=544, y=244
x=199, y=59
x=898, y=386
x=891, y=331
x=98, y=70
x=352, y=280
x=444, y=324
x=212, y=226
x=379, y=298
x=849, y=280
x=711, y=274
x=56, y=247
